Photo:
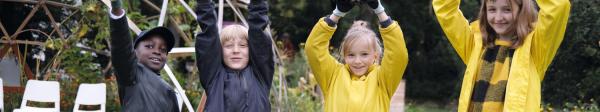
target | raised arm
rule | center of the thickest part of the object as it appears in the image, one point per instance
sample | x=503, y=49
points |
x=322, y=64
x=261, y=53
x=208, y=45
x=549, y=32
x=455, y=26
x=122, y=54
x=395, y=57
x=395, y=54
x=320, y=60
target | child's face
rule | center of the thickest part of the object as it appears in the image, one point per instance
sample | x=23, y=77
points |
x=360, y=56
x=500, y=15
x=235, y=53
x=152, y=53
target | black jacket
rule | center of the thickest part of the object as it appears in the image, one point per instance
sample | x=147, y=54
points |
x=140, y=89
x=227, y=90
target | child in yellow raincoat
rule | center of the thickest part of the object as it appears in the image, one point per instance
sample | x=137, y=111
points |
x=507, y=50
x=361, y=83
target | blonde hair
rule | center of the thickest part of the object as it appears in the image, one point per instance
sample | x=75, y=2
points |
x=523, y=25
x=232, y=32
x=359, y=30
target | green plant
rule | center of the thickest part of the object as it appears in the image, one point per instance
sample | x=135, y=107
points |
x=579, y=106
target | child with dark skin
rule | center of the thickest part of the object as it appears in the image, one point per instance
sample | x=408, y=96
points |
x=137, y=66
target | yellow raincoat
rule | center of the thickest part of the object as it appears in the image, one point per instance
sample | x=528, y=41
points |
x=529, y=63
x=346, y=93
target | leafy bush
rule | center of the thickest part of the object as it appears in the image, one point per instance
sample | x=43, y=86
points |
x=574, y=76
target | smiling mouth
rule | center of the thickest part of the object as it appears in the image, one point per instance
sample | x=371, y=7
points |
x=358, y=67
x=155, y=60
x=501, y=24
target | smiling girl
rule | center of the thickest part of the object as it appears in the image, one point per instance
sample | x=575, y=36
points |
x=507, y=51
x=360, y=83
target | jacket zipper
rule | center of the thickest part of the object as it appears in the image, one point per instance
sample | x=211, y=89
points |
x=245, y=88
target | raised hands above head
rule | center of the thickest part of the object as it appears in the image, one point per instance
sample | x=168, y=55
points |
x=375, y=5
x=116, y=7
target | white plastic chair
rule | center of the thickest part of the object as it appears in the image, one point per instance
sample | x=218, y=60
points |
x=91, y=94
x=41, y=91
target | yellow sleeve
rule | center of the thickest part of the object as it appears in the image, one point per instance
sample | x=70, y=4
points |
x=320, y=60
x=455, y=26
x=549, y=32
x=395, y=57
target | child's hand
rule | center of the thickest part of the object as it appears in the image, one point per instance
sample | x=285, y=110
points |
x=257, y=1
x=116, y=7
x=375, y=5
x=342, y=7
x=116, y=4
x=203, y=1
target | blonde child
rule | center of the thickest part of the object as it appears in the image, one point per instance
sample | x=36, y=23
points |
x=360, y=83
x=507, y=51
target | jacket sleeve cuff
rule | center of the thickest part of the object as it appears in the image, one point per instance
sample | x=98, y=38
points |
x=386, y=23
x=113, y=16
x=329, y=22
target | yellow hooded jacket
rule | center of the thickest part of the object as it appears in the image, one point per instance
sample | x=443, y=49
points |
x=371, y=92
x=529, y=63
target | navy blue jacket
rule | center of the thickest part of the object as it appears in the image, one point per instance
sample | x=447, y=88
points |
x=229, y=90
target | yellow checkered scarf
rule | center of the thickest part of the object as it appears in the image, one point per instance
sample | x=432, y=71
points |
x=490, y=86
